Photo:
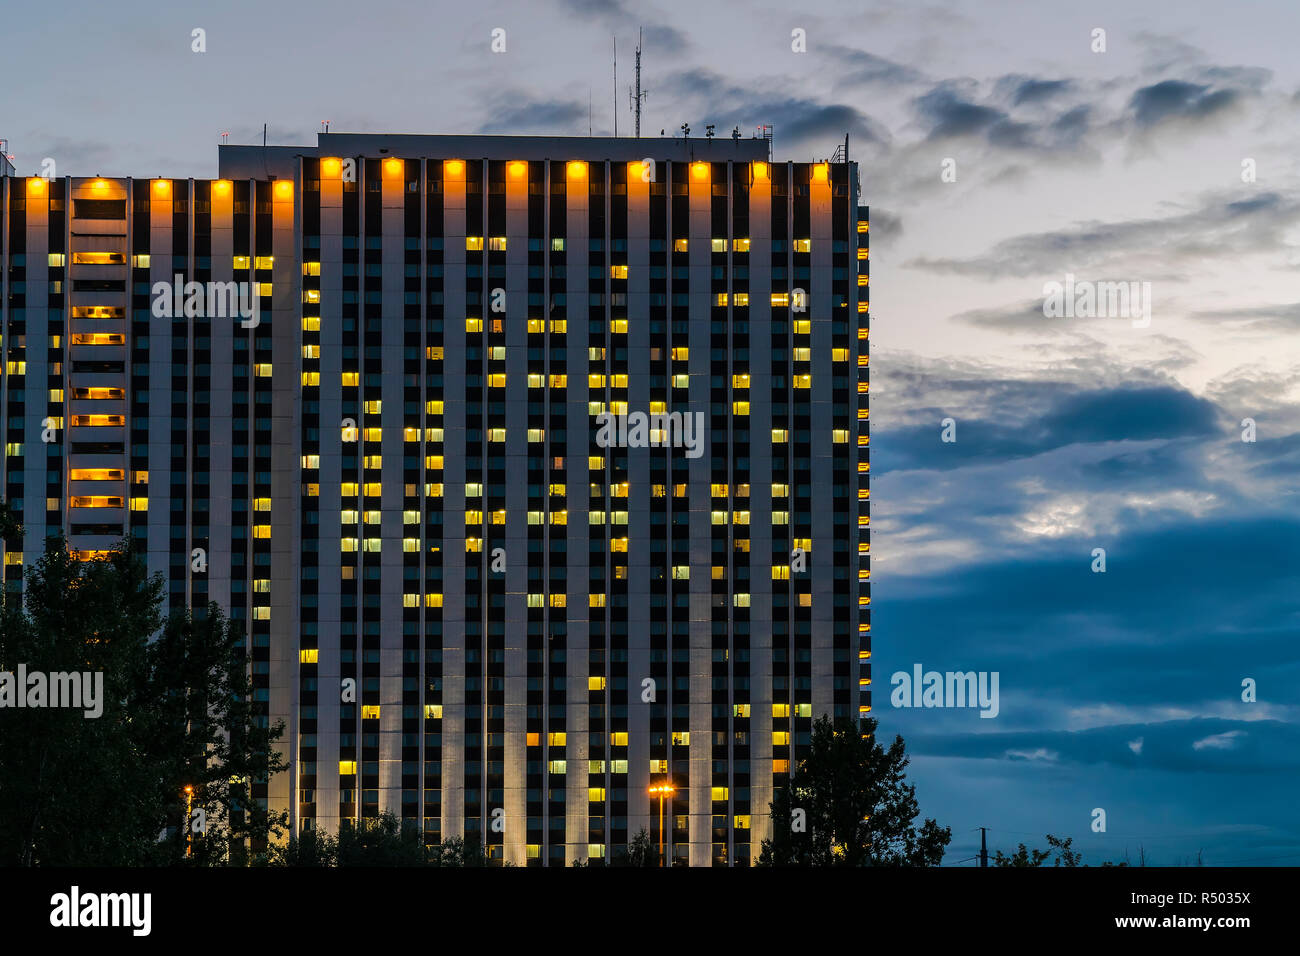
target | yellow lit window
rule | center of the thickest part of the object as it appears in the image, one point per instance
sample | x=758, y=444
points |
x=802, y=354
x=347, y=544
x=742, y=821
x=780, y=298
x=261, y=504
x=497, y=380
x=307, y=655
x=559, y=600
x=781, y=572
x=596, y=795
x=681, y=381
x=720, y=299
x=370, y=712
x=840, y=436
x=740, y=245
x=740, y=408
x=497, y=244
x=618, y=272
x=261, y=531
x=740, y=298
x=311, y=379
x=555, y=766
x=433, y=711
x=347, y=767
x=780, y=435
x=473, y=243
x=680, y=354
x=780, y=738
x=803, y=245
x=595, y=683
x=740, y=710
x=433, y=600
x=682, y=738
x=719, y=245
x=556, y=738
x=802, y=326
x=261, y=613
x=473, y=325
x=373, y=544
x=241, y=262
x=95, y=501
x=434, y=407
x=742, y=600
x=618, y=326
x=719, y=793
x=351, y=379
x=679, y=245
x=681, y=572
x=349, y=488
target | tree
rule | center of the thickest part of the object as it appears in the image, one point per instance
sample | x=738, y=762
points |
x=848, y=804
x=642, y=850
x=176, y=710
x=381, y=841
x=1022, y=857
x=1065, y=855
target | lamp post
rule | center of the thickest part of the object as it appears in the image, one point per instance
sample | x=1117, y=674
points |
x=189, y=831
x=662, y=790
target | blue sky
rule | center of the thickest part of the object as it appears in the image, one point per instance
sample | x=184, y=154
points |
x=1119, y=690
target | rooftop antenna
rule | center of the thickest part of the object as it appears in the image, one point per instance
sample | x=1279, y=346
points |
x=325, y=126
x=264, y=136
x=616, y=85
x=638, y=97
x=589, y=111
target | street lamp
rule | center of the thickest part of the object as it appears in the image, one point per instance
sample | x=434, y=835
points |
x=189, y=831
x=663, y=790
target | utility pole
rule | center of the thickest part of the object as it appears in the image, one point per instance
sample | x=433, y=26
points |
x=984, y=849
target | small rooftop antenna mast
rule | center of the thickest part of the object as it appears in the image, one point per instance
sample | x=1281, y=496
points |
x=639, y=97
x=616, y=85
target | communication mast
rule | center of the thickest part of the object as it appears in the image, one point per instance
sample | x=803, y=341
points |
x=636, y=99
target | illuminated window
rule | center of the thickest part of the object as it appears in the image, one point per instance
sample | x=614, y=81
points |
x=595, y=683
x=351, y=379
x=473, y=325
x=497, y=244
x=308, y=655
x=803, y=245
x=347, y=768
x=473, y=243
x=719, y=245
x=679, y=245
x=740, y=710
x=618, y=272
x=433, y=711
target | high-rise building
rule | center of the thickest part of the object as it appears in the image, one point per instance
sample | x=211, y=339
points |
x=534, y=469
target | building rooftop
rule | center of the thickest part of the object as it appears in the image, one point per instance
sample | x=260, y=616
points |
x=243, y=162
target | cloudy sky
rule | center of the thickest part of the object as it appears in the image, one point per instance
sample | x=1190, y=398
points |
x=1171, y=157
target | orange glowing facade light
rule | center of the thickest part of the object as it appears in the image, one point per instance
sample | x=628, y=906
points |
x=454, y=168
x=161, y=187
x=331, y=166
x=221, y=187
x=821, y=173
x=760, y=170
x=283, y=189
x=577, y=170
x=99, y=185
x=393, y=167
x=518, y=169
x=36, y=186
x=700, y=170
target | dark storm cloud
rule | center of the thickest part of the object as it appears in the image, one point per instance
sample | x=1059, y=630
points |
x=800, y=123
x=1176, y=99
x=1031, y=90
x=856, y=67
x=517, y=112
x=1071, y=417
x=950, y=114
x=1205, y=745
x=1218, y=226
x=885, y=226
x=657, y=36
